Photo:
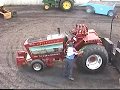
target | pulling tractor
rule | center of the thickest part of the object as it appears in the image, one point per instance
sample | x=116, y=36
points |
x=41, y=53
x=65, y=5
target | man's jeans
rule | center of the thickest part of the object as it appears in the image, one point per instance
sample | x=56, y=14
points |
x=69, y=67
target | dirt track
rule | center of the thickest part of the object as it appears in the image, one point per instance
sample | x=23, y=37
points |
x=32, y=21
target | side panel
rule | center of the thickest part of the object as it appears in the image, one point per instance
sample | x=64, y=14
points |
x=42, y=47
x=46, y=48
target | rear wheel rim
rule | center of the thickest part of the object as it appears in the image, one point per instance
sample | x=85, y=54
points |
x=94, y=62
x=67, y=5
x=37, y=66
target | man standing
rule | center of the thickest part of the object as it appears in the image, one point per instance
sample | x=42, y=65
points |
x=70, y=60
x=1, y=7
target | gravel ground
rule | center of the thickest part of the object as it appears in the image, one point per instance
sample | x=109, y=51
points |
x=33, y=21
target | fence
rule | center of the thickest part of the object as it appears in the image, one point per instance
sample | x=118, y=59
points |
x=39, y=2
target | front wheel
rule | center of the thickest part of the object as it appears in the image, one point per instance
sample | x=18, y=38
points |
x=37, y=65
x=47, y=6
x=94, y=58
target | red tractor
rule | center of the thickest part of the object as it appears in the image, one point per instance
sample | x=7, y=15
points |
x=42, y=52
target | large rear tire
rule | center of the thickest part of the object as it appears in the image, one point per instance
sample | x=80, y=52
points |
x=66, y=5
x=94, y=58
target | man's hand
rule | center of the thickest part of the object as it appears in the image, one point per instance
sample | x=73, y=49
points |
x=80, y=53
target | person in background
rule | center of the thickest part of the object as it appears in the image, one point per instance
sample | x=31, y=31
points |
x=1, y=7
x=70, y=60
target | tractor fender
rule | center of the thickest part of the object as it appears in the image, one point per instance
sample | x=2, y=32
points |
x=92, y=37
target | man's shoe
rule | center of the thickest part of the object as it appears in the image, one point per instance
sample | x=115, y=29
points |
x=71, y=78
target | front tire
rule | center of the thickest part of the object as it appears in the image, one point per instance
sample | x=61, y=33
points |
x=14, y=14
x=94, y=58
x=66, y=5
x=37, y=65
x=47, y=6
